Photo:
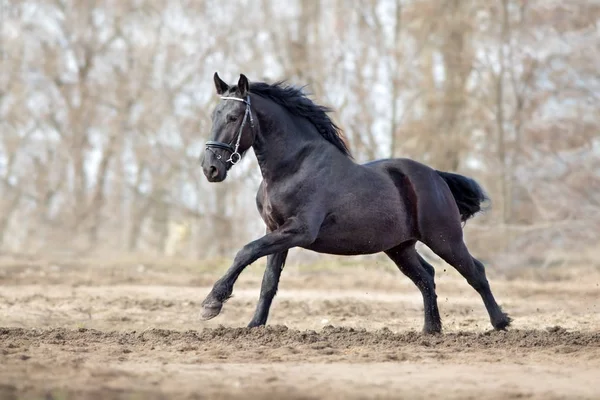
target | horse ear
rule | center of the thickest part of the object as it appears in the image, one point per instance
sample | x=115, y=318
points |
x=221, y=86
x=243, y=85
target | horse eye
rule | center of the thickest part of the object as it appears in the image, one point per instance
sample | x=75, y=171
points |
x=231, y=118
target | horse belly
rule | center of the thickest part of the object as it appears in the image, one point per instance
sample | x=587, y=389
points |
x=372, y=231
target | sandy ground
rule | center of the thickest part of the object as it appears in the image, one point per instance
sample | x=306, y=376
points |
x=75, y=331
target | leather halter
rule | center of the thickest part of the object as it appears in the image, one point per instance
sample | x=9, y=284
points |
x=235, y=156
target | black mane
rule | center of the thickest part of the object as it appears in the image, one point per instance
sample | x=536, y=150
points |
x=296, y=102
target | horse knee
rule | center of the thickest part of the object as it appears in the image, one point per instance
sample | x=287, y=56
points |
x=243, y=255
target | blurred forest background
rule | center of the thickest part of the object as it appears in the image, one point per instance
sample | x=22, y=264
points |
x=105, y=106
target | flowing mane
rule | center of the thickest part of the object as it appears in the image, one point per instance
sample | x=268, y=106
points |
x=296, y=102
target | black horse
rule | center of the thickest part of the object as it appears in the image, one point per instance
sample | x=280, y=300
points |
x=314, y=196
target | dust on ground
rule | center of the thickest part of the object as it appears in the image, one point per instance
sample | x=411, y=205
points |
x=77, y=331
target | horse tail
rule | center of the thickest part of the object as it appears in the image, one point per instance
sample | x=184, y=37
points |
x=467, y=193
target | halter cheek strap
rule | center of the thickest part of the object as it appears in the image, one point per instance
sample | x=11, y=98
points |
x=235, y=156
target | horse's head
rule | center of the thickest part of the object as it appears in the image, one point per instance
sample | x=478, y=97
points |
x=233, y=129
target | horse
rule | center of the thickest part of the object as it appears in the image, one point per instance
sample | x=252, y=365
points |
x=313, y=195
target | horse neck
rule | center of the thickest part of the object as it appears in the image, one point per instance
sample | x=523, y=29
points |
x=284, y=141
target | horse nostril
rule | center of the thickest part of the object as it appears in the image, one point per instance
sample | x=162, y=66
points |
x=213, y=172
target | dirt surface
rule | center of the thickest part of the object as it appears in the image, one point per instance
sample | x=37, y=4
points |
x=76, y=331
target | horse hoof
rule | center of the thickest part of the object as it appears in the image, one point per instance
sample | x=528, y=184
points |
x=502, y=323
x=210, y=310
x=432, y=330
x=253, y=324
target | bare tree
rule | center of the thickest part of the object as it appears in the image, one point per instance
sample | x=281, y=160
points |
x=104, y=109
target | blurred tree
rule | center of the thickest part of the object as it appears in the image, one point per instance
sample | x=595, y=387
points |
x=104, y=108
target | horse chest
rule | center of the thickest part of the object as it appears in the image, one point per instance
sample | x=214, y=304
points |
x=271, y=212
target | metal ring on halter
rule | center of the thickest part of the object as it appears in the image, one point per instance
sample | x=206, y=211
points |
x=234, y=158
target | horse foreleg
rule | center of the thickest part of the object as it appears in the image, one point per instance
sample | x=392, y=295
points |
x=268, y=289
x=295, y=232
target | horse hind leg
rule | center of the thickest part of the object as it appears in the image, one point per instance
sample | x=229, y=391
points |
x=428, y=267
x=454, y=251
x=408, y=261
x=500, y=320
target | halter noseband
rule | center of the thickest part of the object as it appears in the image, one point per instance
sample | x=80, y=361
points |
x=235, y=156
